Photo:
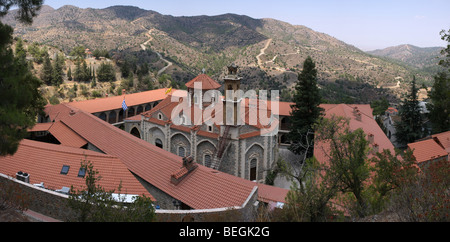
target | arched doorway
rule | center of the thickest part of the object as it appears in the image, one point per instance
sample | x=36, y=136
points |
x=207, y=160
x=253, y=163
x=159, y=143
x=135, y=132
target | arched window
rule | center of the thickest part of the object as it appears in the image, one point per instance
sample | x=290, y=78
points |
x=121, y=115
x=253, y=169
x=159, y=143
x=147, y=107
x=207, y=160
x=181, y=151
x=112, y=117
x=130, y=112
x=102, y=116
x=139, y=110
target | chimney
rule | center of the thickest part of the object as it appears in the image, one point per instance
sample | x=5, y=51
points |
x=375, y=148
x=358, y=116
x=23, y=176
x=188, y=166
x=72, y=112
x=371, y=138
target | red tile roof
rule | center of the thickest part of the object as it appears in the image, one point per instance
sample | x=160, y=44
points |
x=268, y=193
x=364, y=121
x=427, y=150
x=66, y=136
x=443, y=139
x=40, y=127
x=111, y=103
x=166, y=107
x=207, y=82
x=202, y=188
x=44, y=161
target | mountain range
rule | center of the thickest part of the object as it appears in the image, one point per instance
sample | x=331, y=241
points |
x=422, y=58
x=269, y=52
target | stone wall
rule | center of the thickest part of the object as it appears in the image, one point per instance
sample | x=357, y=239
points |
x=244, y=213
x=54, y=205
x=47, y=202
x=179, y=139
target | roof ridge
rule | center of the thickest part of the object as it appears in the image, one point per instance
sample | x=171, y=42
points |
x=355, y=105
x=63, y=149
x=118, y=131
x=153, y=110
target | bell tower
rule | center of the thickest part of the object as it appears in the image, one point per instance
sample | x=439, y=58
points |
x=232, y=83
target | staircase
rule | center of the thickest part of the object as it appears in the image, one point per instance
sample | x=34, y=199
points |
x=224, y=141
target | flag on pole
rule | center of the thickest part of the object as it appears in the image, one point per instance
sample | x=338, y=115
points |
x=169, y=90
x=124, y=105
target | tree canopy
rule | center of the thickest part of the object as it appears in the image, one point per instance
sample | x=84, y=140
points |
x=410, y=127
x=306, y=110
x=20, y=99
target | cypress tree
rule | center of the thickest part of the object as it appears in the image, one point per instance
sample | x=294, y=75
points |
x=47, y=70
x=409, y=128
x=69, y=74
x=306, y=110
x=57, y=72
x=439, y=106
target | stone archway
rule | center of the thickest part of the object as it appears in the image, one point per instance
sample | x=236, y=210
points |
x=134, y=131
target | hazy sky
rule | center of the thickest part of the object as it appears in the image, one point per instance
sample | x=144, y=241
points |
x=366, y=24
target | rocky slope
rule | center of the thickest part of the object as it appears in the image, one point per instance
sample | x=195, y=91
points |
x=269, y=52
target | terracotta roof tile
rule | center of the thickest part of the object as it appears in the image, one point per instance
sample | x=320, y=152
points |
x=44, y=162
x=427, y=150
x=443, y=139
x=202, y=188
x=366, y=122
x=66, y=136
x=207, y=82
x=268, y=193
x=40, y=127
x=115, y=102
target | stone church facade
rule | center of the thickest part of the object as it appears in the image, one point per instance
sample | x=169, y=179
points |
x=237, y=149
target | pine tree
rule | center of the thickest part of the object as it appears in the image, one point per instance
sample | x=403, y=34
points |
x=20, y=98
x=81, y=73
x=306, y=110
x=57, y=72
x=47, y=70
x=439, y=106
x=21, y=53
x=105, y=73
x=86, y=74
x=409, y=129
